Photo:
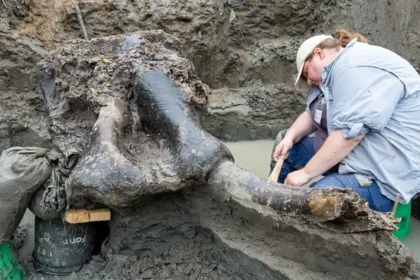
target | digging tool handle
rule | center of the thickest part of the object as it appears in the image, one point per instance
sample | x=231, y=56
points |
x=394, y=209
x=276, y=171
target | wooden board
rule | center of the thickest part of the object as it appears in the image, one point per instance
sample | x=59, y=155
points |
x=79, y=216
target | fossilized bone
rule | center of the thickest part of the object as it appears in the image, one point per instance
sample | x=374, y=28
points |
x=168, y=151
x=105, y=175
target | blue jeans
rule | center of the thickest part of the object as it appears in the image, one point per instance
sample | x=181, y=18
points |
x=303, y=151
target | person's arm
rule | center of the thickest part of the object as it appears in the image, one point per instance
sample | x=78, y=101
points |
x=362, y=106
x=301, y=127
x=334, y=150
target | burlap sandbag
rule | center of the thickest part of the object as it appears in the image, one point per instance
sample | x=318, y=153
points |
x=22, y=171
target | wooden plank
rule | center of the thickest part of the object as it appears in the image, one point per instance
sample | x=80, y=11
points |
x=79, y=216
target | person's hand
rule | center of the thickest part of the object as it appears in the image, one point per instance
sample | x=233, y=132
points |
x=297, y=178
x=282, y=149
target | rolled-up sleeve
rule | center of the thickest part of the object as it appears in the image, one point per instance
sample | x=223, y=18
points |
x=364, y=99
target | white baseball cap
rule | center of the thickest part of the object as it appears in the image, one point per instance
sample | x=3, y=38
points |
x=303, y=53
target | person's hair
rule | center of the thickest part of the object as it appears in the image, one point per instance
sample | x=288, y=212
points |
x=341, y=38
x=345, y=37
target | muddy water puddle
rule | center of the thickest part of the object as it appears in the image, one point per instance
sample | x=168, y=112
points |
x=254, y=156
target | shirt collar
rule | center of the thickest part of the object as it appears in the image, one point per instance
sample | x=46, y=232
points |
x=327, y=69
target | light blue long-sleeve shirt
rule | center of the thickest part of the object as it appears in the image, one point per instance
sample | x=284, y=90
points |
x=375, y=92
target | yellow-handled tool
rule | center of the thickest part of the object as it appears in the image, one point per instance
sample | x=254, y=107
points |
x=274, y=176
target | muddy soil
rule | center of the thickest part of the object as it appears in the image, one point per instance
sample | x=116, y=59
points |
x=163, y=239
x=184, y=255
x=194, y=236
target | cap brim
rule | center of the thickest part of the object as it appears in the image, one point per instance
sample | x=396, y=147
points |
x=300, y=84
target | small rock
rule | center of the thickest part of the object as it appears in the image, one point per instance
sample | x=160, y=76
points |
x=176, y=272
x=165, y=272
x=188, y=270
x=213, y=275
x=159, y=56
x=147, y=274
x=172, y=267
x=196, y=272
x=132, y=258
x=97, y=258
x=73, y=276
x=120, y=258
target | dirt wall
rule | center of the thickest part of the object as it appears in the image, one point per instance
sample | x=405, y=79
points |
x=245, y=53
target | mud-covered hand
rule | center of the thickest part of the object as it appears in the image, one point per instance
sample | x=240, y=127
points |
x=283, y=149
x=297, y=178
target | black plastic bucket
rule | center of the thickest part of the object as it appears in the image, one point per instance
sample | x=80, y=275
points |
x=61, y=248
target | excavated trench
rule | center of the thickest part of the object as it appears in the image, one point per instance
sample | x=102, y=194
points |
x=245, y=55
